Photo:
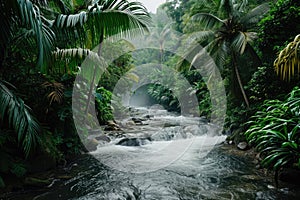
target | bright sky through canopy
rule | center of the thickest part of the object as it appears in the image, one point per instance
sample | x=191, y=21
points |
x=152, y=5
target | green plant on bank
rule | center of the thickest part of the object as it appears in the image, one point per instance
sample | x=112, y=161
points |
x=274, y=131
x=104, y=108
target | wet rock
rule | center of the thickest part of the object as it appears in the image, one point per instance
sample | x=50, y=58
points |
x=157, y=107
x=171, y=133
x=258, y=157
x=129, y=123
x=103, y=138
x=148, y=116
x=111, y=122
x=116, y=134
x=91, y=144
x=242, y=146
x=255, y=161
x=203, y=119
x=137, y=121
x=171, y=124
x=252, y=177
x=94, y=131
x=112, y=126
x=134, y=141
x=226, y=132
x=258, y=166
x=238, y=136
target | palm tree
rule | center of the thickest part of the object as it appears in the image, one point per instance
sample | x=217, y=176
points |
x=229, y=37
x=288, y=60
x=31, y=22
x=105, y=18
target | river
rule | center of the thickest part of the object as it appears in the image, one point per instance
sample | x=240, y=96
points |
x=168, y=157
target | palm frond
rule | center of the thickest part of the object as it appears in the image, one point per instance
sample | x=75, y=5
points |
x=62, y=5
x=254, y=16
x=241, y=7
x=287, y=64
x=108, y=18
x=202, y=36
x=78, y=53
x=227, y=7
x=17, y=114
x=240, y=42
x=66, y=21
x=56, y=92
x=219, y=52
x=208, y=20
x=31, y=18
x=188, y=54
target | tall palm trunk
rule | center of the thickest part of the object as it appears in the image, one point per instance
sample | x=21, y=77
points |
x=234, y=59
x=94, y=75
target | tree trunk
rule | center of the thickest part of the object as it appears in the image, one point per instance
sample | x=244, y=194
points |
x=94, y=76
x=239, y=79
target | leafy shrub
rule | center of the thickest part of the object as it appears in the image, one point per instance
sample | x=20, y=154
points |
x=103, y=105
x=275, y=132
x=266, y=85
x=164, y=96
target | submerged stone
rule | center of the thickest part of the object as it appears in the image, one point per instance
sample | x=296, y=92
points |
x=134, y=141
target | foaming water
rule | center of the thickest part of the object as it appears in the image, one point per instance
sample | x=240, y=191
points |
x=175, y=157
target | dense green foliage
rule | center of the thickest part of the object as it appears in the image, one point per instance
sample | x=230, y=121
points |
x=278, y=27
x=44, y=43
x=274, y=131
x=104, y=109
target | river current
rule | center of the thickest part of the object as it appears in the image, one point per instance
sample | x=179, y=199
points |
x=164, y=156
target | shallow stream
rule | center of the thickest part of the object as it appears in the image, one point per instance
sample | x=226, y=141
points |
x=165, y=156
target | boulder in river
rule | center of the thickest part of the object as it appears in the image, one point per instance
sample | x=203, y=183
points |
x=148, y=117
x=103, y=138
x=171, y=124
x=242, y=146
x=91, y=144
x=137, y=121
x=112, y=126
x=134, y=141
